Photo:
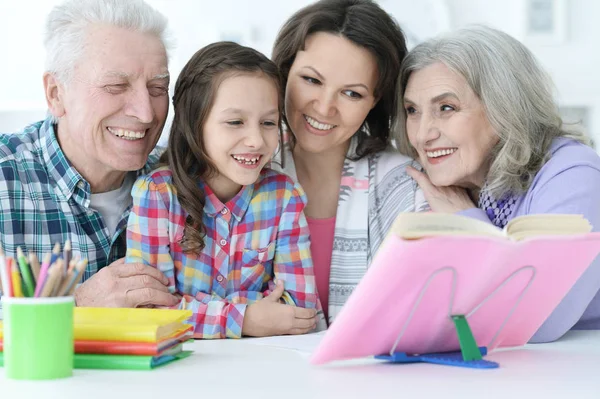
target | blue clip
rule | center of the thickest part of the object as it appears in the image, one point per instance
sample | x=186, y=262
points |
x=445, y=358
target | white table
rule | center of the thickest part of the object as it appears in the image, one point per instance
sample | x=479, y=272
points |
x=242, y=369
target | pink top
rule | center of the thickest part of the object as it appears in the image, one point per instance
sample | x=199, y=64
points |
x=321, y=246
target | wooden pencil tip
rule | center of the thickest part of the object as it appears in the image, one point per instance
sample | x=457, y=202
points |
x=56, y=249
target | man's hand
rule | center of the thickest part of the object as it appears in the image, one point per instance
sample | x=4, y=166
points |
x=121, y=285
x=270, y=317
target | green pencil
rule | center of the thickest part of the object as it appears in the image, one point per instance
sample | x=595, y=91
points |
x=28, y=284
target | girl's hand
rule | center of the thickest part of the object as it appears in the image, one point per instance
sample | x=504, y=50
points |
x=449, y=199
x=269, y=317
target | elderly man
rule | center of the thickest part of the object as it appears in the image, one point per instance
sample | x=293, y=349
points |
x=69, y=176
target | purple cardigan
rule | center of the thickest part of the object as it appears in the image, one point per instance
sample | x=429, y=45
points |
x=568, y=183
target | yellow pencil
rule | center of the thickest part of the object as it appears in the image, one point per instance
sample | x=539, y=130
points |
x=16, y=279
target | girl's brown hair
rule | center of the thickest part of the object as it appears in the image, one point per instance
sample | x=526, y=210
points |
x=195, y=92
x=367, y=25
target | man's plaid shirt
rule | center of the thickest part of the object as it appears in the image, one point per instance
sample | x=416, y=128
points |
x=44, y=200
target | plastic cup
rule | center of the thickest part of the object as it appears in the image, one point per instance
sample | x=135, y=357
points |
x=38, y=337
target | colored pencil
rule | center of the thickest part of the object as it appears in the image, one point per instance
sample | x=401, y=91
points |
x=4, y=279
x=66, y=256
x=27, y=278
x=43, y=274
x=81, y=266
x=53, y=275
x=59, y=274
x=16, y=279
x=35, y=266
x=55, y=253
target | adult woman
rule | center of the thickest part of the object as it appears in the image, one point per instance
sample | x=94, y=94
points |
x=340, y=60
x=479, y=114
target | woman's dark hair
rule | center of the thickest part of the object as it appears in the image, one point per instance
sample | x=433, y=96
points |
x=194, y=96
x=367, y=25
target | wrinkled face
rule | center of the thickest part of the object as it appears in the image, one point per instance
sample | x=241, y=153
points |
x=241, y=132
x=116, y=103
x=447, y=124
x=329, y=92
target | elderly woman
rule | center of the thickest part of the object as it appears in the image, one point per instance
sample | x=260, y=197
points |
x=340, y=61
x=480, y=116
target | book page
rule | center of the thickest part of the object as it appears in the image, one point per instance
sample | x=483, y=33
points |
x=547, y=224
x=418, y=225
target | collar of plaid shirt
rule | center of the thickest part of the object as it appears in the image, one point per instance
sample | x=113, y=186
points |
x=53, y=203
x=238, y=205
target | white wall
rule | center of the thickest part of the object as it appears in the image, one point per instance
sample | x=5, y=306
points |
x=572, y=63
x=194, y=23
x=21, y=64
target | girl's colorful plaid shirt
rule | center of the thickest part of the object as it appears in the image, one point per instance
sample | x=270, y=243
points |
x=259, y=235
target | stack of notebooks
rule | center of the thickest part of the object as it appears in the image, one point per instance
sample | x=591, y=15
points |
x=127, y=339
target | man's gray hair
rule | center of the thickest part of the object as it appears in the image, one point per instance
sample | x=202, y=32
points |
x=67, y=23
x=516, y=93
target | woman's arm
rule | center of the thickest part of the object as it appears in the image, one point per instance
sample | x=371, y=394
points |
x=572, y=191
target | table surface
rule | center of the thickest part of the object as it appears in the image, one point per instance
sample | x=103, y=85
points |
x=260, y=368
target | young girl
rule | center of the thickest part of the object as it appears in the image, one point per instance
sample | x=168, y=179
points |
x=228, y=233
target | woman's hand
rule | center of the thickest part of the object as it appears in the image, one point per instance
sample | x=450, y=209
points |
x=450, y=199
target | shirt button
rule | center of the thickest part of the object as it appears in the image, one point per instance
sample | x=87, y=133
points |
x=223, y=242
x=80, y=184
x=219, y=278
x=224, y=211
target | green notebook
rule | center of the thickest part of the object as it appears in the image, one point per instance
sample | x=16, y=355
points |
x=120, y=362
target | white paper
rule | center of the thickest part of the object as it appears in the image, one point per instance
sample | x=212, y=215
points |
x=306, y=343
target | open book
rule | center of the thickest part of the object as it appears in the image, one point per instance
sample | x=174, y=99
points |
x=432, y=267
x=419, y=225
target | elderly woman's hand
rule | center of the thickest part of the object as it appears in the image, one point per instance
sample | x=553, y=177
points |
x=449, y=199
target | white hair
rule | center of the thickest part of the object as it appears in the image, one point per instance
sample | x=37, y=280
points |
x=67, y=24
x=517, y=95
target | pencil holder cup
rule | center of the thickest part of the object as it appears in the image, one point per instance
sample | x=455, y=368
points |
x=38, y=337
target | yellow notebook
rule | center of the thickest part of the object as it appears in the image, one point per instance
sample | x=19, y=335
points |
x=127, y=325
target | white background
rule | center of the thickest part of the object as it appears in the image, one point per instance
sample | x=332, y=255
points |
x=572, y=57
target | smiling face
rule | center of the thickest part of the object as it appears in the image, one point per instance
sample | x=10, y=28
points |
x=241, y=132
x=447, y=125
x=329, y=92
x=114, y=108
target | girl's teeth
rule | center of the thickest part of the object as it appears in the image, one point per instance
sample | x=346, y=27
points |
x=317, y=125
x=439, y=153
x=247, y=161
